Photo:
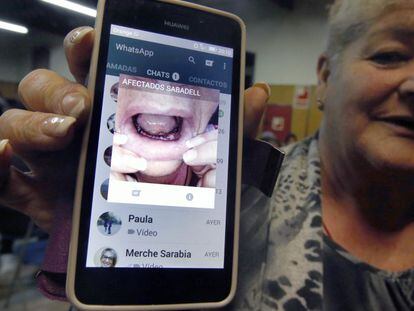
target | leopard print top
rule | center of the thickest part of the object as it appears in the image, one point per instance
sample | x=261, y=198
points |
x=280, y=265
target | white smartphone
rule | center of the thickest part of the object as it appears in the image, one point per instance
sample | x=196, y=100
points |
x=156, y=213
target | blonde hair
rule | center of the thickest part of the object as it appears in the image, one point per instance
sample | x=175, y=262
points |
x=349, y=19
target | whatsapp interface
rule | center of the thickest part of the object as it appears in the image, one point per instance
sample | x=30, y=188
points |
x=160, y=187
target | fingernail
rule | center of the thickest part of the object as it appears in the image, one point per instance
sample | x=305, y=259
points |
x=57, y=126
x=265, y=87
x=211, y=127
x=194, y=142
x=73, y=105
x=189, y=156
x=78, y=33
x=140, y=164
x=120, y=139
x=3, y=145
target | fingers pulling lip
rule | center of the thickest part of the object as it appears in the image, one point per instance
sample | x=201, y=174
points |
x=158, y=147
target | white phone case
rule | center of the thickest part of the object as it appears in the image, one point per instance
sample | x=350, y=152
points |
x=71, y=273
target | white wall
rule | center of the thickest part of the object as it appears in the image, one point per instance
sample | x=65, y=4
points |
x=286, y=43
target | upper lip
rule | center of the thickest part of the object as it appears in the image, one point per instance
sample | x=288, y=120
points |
x=403, y=120
x=181, y=112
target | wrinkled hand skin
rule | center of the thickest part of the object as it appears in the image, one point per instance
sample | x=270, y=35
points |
x=47, y=136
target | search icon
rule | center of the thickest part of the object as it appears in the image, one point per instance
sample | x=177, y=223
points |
x=191, y=59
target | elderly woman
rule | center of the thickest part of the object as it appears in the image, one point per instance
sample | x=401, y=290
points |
x=108, y=258
x=366, y=146
x=358, y=169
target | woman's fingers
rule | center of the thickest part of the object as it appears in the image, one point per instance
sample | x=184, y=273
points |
x=29, y=131
x=202, y=138
x=55, y=106
x=255, y=99
x=5, y=158
x=205, y=154
x=44, y=90
x=17, y=190
x=125, y=161
x=208, y=180
x=78, y=46
x=120, y=139
x=20, y=192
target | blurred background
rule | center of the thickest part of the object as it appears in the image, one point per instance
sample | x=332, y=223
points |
x=284, y=40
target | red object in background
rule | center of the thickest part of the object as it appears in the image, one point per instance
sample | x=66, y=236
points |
x=278, y=120
x=302, y=97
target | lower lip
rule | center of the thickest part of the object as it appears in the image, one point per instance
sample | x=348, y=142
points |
x=400, y=130
x=158, y=150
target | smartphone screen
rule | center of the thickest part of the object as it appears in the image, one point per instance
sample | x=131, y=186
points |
x=156, y=215
x=160, y=184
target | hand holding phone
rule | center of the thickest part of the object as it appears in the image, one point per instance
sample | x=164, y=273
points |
x=45, y=86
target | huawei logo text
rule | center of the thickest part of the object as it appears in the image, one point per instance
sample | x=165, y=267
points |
x=176, y=25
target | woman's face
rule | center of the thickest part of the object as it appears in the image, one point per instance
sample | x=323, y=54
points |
x=107, y=260
x=369, y=97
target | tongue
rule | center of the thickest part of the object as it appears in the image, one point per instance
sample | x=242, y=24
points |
x=157, y=124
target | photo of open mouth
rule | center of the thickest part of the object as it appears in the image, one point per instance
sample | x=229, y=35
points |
x=159, y=127
x=153, y=123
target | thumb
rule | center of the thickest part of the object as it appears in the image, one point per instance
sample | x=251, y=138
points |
x=78, y=46
x=255, y=99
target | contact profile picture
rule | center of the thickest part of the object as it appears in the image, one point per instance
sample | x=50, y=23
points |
x=108, y=155
x=104, y=189
x=114, y=92
x=108, y=223
x=106, y=257
x=110, y=123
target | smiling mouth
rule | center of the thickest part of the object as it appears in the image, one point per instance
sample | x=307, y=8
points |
x=405, y=122
x=158, y=127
